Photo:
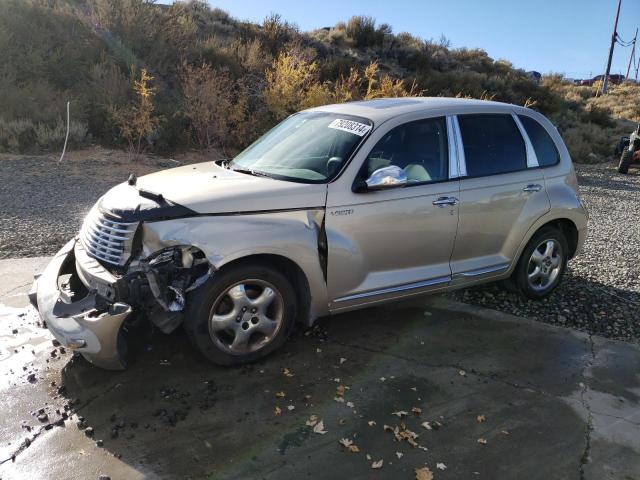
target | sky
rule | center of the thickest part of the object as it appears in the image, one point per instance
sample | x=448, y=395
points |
x=566, y=36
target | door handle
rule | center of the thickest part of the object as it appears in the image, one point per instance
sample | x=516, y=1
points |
x=444, y=201
x=533, y=187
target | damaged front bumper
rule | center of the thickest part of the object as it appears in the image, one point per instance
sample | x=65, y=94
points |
x=76, y=298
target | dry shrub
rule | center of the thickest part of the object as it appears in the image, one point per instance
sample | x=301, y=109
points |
x=138, y=120
x=371, y=84
x=23, y=135
x=292, y=84
x=216, y=106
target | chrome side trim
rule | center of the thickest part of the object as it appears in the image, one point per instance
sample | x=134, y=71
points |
x=399, y=288
x=483, y=271
x=462, y=162
x=532, y=158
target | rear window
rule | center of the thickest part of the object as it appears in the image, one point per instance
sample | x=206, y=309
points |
x=543, y=144
x=492, y=144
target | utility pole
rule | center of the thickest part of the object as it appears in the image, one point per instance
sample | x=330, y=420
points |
x=614, y=36
x=633, y=54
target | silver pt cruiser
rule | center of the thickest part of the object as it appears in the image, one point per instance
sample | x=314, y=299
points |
x=336, y=208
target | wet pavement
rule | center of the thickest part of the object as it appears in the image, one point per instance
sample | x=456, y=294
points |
x=464, y=391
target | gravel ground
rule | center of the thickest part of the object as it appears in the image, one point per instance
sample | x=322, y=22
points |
x=44, y=203
x=600, y=292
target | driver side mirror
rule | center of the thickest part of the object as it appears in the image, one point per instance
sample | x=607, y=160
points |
x=386, y=178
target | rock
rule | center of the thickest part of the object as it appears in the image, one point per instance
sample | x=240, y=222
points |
x=99, y=443
x=88, y=431
x=104, y=477
x=43, y=417
x=14, y=331
x=31, y=378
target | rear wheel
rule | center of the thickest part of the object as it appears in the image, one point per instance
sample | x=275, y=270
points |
x=241, y=314
x=625, y=161
x=542, y=264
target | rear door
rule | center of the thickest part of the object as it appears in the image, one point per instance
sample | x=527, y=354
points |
x=502, y=193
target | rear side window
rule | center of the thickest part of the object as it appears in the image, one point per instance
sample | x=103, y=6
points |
x=492, y=144
x=544, y=146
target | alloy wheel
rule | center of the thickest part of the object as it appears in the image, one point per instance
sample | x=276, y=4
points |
x=246, y=316
x=545, y=265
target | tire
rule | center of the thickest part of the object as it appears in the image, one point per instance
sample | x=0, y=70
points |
x=625, y=161
x=551, y=254
x=241, y=314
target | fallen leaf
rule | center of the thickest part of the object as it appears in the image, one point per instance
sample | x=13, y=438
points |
x=424, y=473
x=318, y=350
x=342, y=421
x=342, y=360
x=371, y=423
x=280, y=395
x=399, y=455
x=319, y=428
x=340, y=389
x=441, y=466
x=287, y=373
x=312, y=421
x=348, y=444
x=339, y=399
x=480, y=418
x=350, y=404
x=504, y=432
x=462, y=373
x=399, y=413
x=382, y=379
x=291, y=407
x=415, y=389
x=368, y=457
x=483, y=441
x=377, y=465
x=426, y=425
x=417, y=410
x=277, y=411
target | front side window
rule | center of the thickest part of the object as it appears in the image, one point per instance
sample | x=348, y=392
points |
x=545, y=148
x=492, y=144
x=309, y=147
x=419, y=148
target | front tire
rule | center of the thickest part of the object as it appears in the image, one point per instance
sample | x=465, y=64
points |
x=542, y=264
x=241, y=314
x=625, y=161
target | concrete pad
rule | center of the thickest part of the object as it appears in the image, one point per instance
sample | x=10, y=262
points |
x=556, y=403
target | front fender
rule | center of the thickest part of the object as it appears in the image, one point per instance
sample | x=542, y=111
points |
x=291, y=234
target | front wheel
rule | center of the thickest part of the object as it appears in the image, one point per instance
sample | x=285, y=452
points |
x=241, y=314
x=542, y=264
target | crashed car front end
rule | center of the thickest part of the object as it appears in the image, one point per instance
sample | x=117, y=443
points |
x=103, y=281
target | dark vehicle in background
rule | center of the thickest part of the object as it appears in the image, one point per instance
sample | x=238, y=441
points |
x=629, y=150
x=615, y=79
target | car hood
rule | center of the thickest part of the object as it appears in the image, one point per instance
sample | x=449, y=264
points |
x=207, y=188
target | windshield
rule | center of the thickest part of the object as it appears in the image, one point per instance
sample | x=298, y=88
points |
x=309, y=147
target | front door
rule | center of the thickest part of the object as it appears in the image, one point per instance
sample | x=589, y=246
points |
x=395, y=242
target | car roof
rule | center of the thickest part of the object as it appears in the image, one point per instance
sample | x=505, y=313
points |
x=382, y=109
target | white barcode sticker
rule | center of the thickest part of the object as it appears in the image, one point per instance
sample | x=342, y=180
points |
x=350, y=126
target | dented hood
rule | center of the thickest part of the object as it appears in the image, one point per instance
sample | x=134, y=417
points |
x=206, y=188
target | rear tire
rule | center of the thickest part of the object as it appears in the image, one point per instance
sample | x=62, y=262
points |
x=625, y=161
x=542, y=264
x=241, y=314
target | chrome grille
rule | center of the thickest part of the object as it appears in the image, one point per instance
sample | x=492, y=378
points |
x=106, y=238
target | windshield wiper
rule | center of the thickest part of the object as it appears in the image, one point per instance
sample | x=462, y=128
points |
x=248, y=171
